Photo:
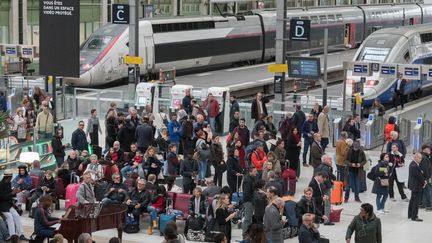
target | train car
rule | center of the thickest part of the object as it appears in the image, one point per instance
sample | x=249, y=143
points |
x=400, y=45
x=195, y=43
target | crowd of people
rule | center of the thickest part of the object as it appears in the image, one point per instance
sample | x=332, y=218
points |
x=144, y=155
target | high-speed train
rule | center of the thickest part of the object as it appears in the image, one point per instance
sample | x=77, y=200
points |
x=399, y=45
x=194, y=43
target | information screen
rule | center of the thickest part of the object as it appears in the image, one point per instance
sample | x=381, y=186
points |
x=59, y=37
x=304, y=67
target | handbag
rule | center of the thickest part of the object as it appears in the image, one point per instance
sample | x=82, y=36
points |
x=21, y=132
x=323, y=240
x=384, y=182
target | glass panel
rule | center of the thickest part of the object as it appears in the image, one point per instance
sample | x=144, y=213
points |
x=374, y=54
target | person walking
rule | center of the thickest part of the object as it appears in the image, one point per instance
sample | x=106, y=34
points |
x=380, y=185
x=93, y=128
x=366, y=225
x=399, y=92
x=426, y=166
x=416, y=183
x=273, y=221
x=396, y=160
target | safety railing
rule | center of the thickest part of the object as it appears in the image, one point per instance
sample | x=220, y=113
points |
x=374, y=132
x=405, y=130
x=85, y=99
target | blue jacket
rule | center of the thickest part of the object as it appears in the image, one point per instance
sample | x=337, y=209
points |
x=309, y=127
x=79, y=140
x=27, y=183
x=43, y=220
x=174, y=131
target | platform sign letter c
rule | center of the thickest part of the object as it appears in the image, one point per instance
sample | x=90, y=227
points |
x=120, y=14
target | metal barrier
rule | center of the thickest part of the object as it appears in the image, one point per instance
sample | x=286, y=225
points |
x=337, y=129
x=405, y=130
x=85, y=99
x=427, y=132
x=374, y=132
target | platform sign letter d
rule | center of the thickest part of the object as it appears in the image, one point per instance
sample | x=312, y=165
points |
x=300, y=29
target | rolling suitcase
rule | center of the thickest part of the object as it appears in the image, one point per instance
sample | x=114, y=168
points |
x=337, y=191
x=237, y=197
x=71, y=190
x=289, y=181
x=164, y=219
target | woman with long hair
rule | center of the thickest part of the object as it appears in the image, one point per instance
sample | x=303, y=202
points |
x=58, y=147
x=93, y=128
x=31, y=122
x=223, y=216
x=256, y=234
x=293, y=145
x=152, y=164
x=19, y=129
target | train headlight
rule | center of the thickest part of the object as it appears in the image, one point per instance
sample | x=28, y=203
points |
x=86, y=66
x=372, y=82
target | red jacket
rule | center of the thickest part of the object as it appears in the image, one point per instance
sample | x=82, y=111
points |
x=258, y=158
x=213, y=109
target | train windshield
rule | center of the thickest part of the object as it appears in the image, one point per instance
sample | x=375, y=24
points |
x=373, y=54
x=95, y=45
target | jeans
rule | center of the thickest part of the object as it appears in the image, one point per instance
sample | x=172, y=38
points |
x=248, y=213
x=212, y=121
x=324, y=143
x=381, y=200
x=153, y=213
x=46, y=233
x=392, y=179
x=13, y=221
x=259, y=175
x=307, y=144
x=341, y=171
x=127, y=169
x=202, y=166
x=217, y=178
x=353, y=183
x=107, y=201
x=4, y=232
x=427, y=196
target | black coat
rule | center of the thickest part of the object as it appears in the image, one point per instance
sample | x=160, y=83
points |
x=57, y=146
x=126, y=136
x=150, y=170
x=143, y=198
x=233, y=167
x=233, y=124
x=426, y=166
x=5, y=196
x=79, y=140
x=260, y=203
x=187, y=169
x=298, y=119
x=202, y=205
x=116, y=195
x=306, y=235
x=144, y=135
x=416, y=179
x=317, y=194
x=277, y=185
x=377, y=188
x=234, y=107
x=304, y=206
x=254, y=110
x=248, y=188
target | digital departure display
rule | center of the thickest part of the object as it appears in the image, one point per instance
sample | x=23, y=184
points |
x=304, y=67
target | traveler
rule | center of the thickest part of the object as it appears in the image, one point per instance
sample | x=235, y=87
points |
x=396, y=160
x=273, y=221
x=366, y=225
x=259, y=106
x=342, y=149
x=93, y=128
x=416, y=183
x=58, y=147
x=248, y=193
x=79, y=138
x=309, y=128
x=324, y=127
x=380, y=186
x=308, y=232
x=356, y=159
x=44, y=123
x=223, y=216
x=326, y=168
x=43, y=221
x=85, y=193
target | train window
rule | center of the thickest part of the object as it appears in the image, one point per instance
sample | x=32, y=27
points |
x=323, y=19
x=331, y=18
x=373, y=54
x=407, y=56
x=373, y=15
x=314, y=19
x=339, y=17
x=97, y=43
x=426, y=37
x=158, y=28
x=304, y=17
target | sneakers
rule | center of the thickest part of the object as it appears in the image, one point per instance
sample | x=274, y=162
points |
x=393, y=199
x=381, y=211
x=386, y=211
x=405, y=200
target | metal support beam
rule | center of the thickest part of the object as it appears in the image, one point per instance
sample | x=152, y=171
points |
x=325, y=67
x=280, y=50
x=133, y=43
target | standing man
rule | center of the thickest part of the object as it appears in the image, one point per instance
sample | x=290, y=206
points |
x=416, y=183
x=174, y=130
x=85, y=193
x=212, y=107
x=326, y=168
x=308, y=129
x=341, y=153
x=234, y=122
x=399, y=96
x=426, y=167
x=243, y=132
x=248, y=193
x=324, y=127
x=299, y=118
x=186, y=102
x=357, y=120
x=144, y=135
x=259, y=106
x=235, y=107
x=318, y=195
x=367, y=226
x=79, y=138
x=44, y=122
x=356, y=159
x=316, y=151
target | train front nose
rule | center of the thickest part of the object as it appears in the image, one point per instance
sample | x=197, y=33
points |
x=85, y=79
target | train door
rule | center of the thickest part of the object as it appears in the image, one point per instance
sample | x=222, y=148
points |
x=411, y=21
x=148, y=46
x=349, y=35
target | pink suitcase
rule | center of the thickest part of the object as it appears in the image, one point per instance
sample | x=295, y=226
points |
x=71, y=190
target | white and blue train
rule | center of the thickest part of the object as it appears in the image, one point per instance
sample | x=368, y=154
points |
x=190, y=44
x=399, y=45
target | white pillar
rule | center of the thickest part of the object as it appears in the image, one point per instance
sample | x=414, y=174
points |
x=13, y=22
x=26, y=40
x=104, y=12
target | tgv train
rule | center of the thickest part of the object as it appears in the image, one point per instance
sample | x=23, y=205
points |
x=400, y=45
x=194, y=43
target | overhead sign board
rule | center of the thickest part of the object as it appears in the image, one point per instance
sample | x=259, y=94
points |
x=300, y=29
x=410, y=71
x=277, y=68
x=10, y=51
x=26, y=51
x=120, y=14
x=304, y=67
x=388, y=70
x=361, y=69
x=59, y=37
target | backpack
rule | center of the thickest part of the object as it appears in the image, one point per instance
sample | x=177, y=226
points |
x=131, y=224
x=371, y=174
x=248, y=152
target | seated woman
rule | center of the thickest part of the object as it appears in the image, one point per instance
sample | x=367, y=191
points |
x=133, y=165
x=64, y=173
x=157, y=205
x=94, y=168
x=152, y=165
x=43, y=220
x=197, y=208
x=307, y=205
x=47, y=185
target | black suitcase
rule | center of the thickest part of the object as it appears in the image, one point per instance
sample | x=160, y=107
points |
x=97, y=150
